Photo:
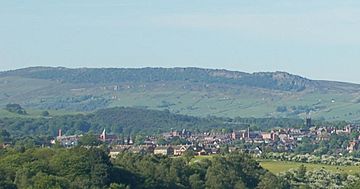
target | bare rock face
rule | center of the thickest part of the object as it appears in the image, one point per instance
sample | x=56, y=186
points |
x=287, y=82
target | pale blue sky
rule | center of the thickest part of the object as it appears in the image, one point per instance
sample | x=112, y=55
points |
x=317, y=39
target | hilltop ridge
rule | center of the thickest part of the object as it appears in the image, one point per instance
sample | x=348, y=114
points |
x=271, y=80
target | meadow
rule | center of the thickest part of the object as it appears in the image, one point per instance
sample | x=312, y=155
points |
x=283, y=166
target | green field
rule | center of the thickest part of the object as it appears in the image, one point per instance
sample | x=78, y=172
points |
x=283, y=166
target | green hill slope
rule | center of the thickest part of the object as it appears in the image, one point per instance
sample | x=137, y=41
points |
x=193, y=91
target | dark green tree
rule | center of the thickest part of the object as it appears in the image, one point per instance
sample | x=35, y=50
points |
x=196, y=182
x=15, y=108
x=45, y=113
x=89, y=140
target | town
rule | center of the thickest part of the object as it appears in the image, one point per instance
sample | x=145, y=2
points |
x=176, y=143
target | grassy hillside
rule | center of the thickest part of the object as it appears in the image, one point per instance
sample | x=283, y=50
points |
x=192, y=91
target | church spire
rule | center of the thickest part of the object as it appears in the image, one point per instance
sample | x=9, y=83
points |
x=103, y=135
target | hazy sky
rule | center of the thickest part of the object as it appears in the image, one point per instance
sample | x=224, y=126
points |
x=317, y=39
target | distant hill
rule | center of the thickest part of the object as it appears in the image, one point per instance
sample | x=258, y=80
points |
x=192, y=91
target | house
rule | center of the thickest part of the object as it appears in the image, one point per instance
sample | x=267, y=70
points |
x=66, y=141
x=353, y=145
x=104, y=137
x=323, y=137
x=150, y=141
x=236, y=135
x=117, y=149
x=164, y=150
x=214, y=150
x=69, y=141
x=138, y=150
x=185, y=133
x=242, y=134
x=181, y=149
x=142, y=149
x=283, y=137
x=268, y=136
x=256, y=152
x=5, y=145
x=202, y=152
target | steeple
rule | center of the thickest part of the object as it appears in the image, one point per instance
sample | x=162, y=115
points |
x=103, y=136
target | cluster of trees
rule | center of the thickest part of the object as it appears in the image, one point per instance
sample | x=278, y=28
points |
x=54, y=168
x=15, y=108
x=74, y=103
x=115, y=120
x=285, y=82
x=80, y=167
x=295, y=110
x=310, y=158
x=229, y=171
x=335, y=143
x=4, y=136
x=320, y=179
x=133, y=121
x=91, y=167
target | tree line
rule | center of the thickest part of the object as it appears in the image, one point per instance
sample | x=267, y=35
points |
x=126, y=120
